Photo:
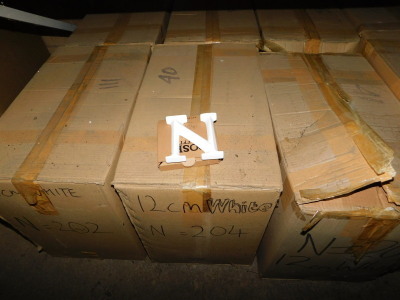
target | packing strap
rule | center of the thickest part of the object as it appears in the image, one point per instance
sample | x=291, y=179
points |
x=196, y=180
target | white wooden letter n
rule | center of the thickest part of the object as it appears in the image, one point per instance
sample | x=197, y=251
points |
x=209, y=146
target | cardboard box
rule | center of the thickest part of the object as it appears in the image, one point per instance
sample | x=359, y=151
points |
x=213, y=26
x=215, y=213
x=60, y=140
x=120, y=29
x=373, y=18
x=307, y=31
x=21, y=56
x=334, y=121
x=381, y=48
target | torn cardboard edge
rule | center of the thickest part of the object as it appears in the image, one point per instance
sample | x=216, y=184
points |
x=375, y=151
x=379, y=223
x=186, y=145
x=363, y=136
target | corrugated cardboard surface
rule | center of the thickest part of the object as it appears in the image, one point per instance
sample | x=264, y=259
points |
x=214, y=213
x=59, y=142
x=212, y=26
x=381, y=48
x=337, y=236
x=120, y=29
x=307, y=31
x=21, y=56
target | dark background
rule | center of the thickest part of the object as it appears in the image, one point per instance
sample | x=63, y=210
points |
x=71, y=9
x=77, y=9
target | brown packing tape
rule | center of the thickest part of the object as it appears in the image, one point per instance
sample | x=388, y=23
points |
x=212, y=27
x=375, y=151
x=118, y=30
x=240, y=143
x=374, y=51
x=374, y=231
x=19, y=136
x=196, y=180
x=313, y=40
x=98, y=137
x=202, y=80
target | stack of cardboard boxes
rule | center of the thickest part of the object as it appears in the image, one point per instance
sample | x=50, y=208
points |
x=85, y=149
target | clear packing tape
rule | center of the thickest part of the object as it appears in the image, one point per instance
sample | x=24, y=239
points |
x=375, y=151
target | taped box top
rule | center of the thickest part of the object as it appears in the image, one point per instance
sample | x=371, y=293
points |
x=213, y=26
x=119, y=29
x=244, y=129
x=336, y=124
x=307, y=31
x=215, y=213
x=60, y=140
x=87, y=90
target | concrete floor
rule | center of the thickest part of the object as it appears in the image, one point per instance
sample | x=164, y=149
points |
x=25, y=273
